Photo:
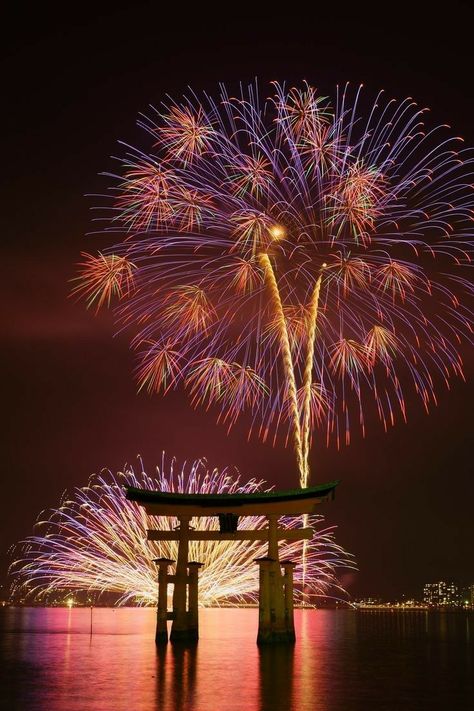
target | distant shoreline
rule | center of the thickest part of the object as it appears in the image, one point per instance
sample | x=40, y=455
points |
x=355, y=608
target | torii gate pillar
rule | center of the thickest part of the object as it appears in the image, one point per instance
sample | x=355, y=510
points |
x=275, y=619
x=180, y=628
x=185, y=627
x=162, y=611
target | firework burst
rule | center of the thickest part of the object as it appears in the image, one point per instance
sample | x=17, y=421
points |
x=95, y=541
x=242, y=214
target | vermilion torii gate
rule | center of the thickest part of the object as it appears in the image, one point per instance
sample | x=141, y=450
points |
x=276, y=577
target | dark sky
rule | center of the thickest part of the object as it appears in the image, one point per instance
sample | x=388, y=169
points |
x=71, y=87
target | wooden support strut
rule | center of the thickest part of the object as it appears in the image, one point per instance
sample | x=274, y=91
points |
x=161, y=635
x=288, y=567
x=264, y=615
x=179, y=628
x=193, y=597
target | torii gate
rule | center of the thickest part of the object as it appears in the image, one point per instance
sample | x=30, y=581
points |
x=276, y=577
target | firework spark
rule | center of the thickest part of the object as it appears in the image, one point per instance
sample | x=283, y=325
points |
x=95, y=541
x=242, y=212
x=102, y=277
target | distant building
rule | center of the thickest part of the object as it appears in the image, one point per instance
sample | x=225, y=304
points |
x=442, y=594
x=468, y=595
x=368, y=602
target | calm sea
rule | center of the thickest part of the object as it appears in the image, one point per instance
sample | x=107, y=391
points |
x=343, y=660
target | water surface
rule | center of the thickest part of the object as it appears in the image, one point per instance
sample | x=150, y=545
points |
x=343, y=660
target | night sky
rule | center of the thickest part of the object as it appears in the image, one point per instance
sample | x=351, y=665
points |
x=71, y=87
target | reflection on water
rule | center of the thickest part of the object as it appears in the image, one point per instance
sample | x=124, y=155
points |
x=343, y=660
x=276, y=674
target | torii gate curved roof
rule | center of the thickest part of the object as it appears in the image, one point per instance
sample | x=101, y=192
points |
x=280, y=503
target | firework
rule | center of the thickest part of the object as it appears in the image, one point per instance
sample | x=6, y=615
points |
x=300, y=259
x=95, y=541
x=103, y=277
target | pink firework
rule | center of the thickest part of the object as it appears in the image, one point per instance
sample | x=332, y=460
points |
x=301, y=260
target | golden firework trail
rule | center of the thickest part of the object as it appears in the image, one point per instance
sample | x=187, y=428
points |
x=308, y=380
x=287, y=359
x=306, y=414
